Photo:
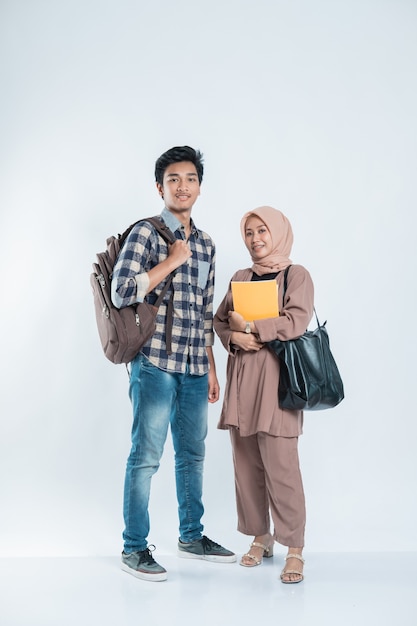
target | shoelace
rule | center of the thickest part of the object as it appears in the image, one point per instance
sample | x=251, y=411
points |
x=147, y=555
x=208, y=544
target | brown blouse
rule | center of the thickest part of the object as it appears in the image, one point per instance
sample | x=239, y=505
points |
x=251, y=394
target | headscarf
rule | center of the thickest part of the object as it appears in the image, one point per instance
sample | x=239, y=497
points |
x=282, y=239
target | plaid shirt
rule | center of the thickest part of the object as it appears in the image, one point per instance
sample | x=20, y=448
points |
x=193, y=285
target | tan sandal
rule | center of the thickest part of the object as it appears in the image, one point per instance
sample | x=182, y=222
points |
x=268, y=551
x=292, y=571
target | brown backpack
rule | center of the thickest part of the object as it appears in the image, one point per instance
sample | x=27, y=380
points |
x=124, y=331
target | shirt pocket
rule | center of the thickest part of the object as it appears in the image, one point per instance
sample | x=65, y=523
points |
x=203, y=272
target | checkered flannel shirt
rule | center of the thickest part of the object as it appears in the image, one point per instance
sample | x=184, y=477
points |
x=193, y=285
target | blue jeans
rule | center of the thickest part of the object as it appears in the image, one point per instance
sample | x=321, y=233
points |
x=158, y=399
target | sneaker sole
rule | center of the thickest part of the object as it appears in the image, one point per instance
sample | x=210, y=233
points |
x=204, y=557
x=143, y=575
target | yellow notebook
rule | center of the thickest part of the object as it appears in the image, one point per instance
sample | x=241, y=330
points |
x=255, y=300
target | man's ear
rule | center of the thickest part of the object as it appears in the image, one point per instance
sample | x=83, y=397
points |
x=160, y=189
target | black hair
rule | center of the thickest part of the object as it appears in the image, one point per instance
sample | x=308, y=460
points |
x=176, y=155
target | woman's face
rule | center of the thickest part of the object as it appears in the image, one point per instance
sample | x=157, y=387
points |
x=257, y=238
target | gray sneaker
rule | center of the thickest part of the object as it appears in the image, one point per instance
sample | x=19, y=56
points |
x=205, y=549
x=143, y=565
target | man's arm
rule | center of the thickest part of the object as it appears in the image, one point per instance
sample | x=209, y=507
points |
x=178, y=253
x=213, y=386
x=131, y=282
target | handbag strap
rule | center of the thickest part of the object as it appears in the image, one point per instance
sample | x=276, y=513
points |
x=287, y=269
x=285, y=290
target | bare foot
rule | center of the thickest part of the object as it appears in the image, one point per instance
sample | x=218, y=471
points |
x=262, y=545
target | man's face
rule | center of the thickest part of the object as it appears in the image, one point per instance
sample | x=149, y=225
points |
x=180, y=188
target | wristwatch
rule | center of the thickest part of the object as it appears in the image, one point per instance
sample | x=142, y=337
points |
x=247, y=328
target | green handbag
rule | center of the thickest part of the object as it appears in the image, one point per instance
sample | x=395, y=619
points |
x=309, y=377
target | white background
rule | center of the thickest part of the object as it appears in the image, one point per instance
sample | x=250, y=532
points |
x=307, y=106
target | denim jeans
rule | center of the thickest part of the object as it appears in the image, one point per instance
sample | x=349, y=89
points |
x=160, y=399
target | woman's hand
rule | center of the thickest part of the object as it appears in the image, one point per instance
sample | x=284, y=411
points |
x=236, y=322
x=243, y=340
x=247, y=342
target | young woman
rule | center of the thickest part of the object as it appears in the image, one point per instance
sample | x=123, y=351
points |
x=265, y=437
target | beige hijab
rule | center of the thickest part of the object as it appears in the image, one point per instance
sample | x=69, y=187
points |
x=282, y=239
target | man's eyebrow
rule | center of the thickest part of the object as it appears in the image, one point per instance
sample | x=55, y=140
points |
x=189, y=174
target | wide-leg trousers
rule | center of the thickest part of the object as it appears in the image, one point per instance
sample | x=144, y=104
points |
x=269, y=485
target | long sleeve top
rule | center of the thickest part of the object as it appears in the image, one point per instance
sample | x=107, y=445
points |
x=251, y=394
x=193, y=286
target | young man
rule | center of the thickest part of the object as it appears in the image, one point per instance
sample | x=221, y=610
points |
x=170, y=388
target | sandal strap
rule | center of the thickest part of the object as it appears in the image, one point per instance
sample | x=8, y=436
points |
x=250, y=556
x=295, y=556
x=256, y=544
x=289, y=572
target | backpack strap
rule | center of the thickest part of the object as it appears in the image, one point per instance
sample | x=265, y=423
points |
x=162, y=228
x=157, y=223
x=169, y=237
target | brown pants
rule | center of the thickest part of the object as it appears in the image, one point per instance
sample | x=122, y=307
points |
x=268, y=482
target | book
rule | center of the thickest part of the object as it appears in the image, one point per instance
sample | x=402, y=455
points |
x=255, y=300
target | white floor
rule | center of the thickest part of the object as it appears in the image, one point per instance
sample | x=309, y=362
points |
x=339, y=590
